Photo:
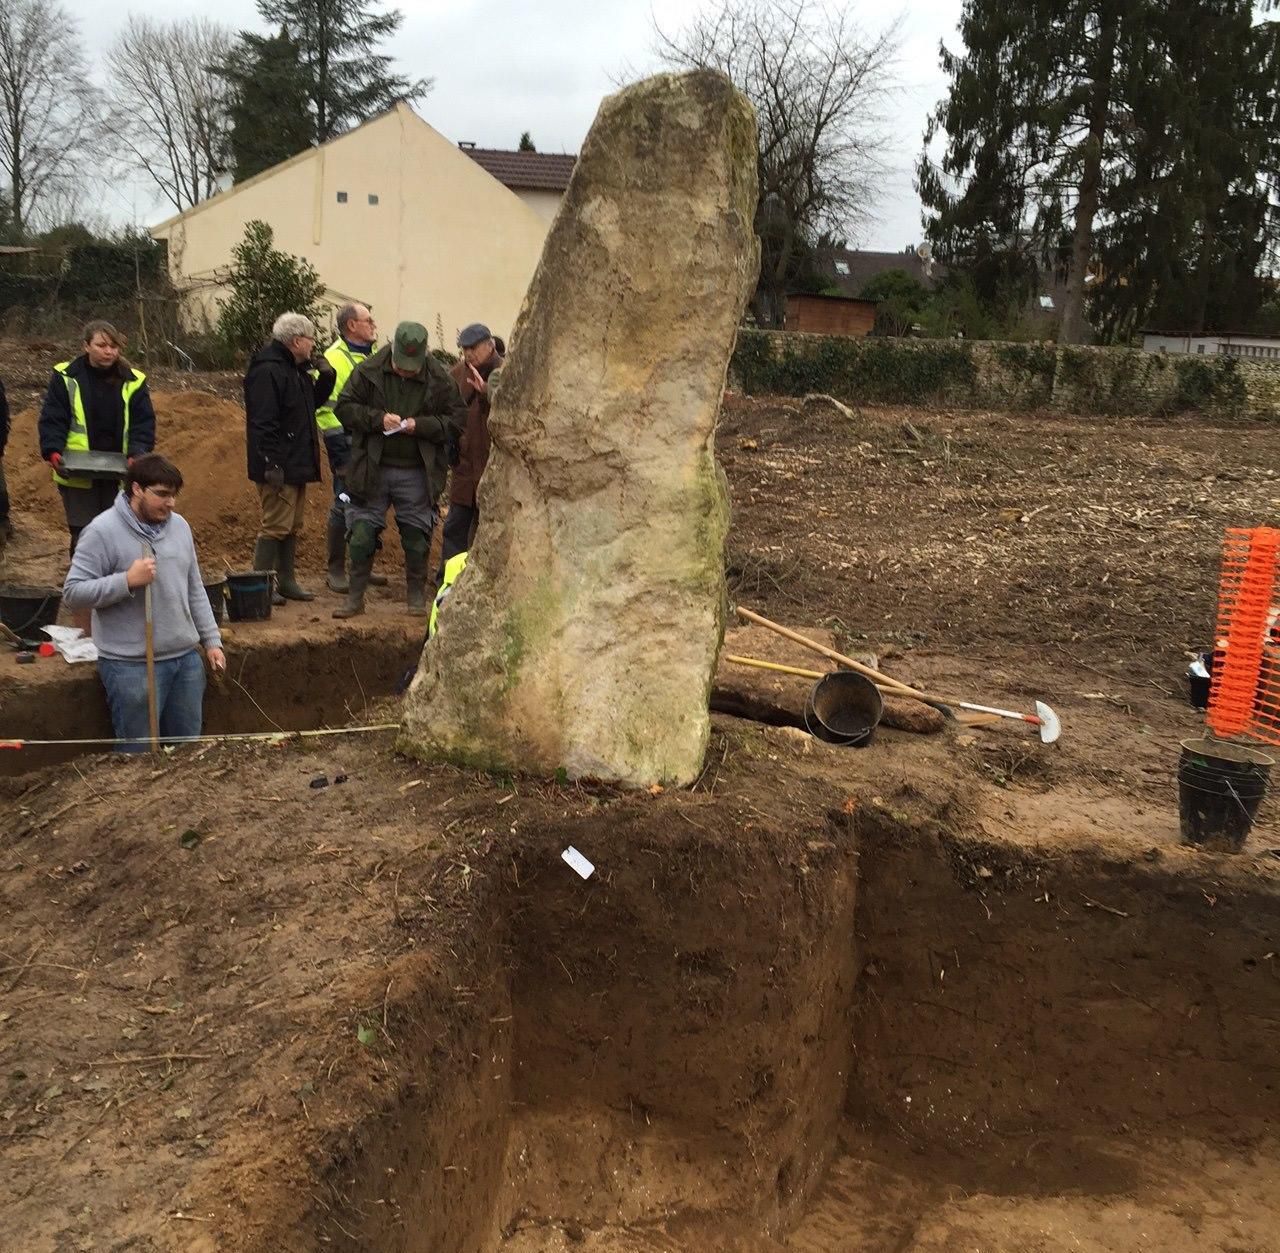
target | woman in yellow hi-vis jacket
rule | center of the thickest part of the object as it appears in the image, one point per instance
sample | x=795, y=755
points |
x=97, y=401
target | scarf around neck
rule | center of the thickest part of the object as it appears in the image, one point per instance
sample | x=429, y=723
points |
x=149, y=531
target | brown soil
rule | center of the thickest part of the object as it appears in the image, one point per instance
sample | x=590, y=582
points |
x=950, y=992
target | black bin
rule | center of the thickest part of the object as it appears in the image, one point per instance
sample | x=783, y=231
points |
x=24, y=610
x=1220, y=786
x=249, y=595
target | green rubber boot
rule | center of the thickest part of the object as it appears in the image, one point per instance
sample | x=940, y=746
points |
x=266, y=556
x=359, y=582
x=288, y=584
x=336, y=554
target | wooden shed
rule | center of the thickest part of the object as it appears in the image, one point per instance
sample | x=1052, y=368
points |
x=830, y=315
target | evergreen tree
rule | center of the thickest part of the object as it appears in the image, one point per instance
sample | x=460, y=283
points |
x=348, y=80
x=1131, y=132
x=271, y=118
x=1034, y=104
x=1196, y=215
x=526, y=143
x=264, y=283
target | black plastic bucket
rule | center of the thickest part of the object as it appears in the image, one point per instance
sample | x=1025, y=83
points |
x=24, y=610
x=843, y=708
x=216, y=591
x=1198, y=685
x=1220, y=787
x=249, y=595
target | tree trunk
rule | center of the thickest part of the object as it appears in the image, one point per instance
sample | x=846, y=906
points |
x=1073, y=328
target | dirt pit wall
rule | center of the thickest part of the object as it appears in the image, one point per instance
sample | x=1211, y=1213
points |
x=687, y=1042
x=658, y=1039
x=1007, y=992
x=801, y=1007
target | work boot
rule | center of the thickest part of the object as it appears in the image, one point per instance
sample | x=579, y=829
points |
x=415, y=579
x=266, y=556
x=288, y=584
x=358, y=583
x=336, y=539
x=377, y=580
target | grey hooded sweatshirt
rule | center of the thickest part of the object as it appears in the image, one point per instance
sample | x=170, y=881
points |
x=180, y=611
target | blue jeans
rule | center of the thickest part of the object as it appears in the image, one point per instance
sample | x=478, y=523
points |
x=179, y=698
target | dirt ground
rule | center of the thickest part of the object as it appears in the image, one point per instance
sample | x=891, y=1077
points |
x=952, y=992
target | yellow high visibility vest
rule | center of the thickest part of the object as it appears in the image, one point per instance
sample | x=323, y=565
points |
x=343, y=360
x=452, y=568
x=78, y=437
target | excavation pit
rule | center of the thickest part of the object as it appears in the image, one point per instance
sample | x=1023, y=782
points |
x=794, y=1008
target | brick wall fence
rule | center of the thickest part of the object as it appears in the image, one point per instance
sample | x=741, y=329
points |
x=983, y=375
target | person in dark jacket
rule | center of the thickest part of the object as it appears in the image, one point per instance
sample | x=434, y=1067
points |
x=480, y=358
x=282, y=389
x=402, y=411
x=6, y=528
x=96, y=402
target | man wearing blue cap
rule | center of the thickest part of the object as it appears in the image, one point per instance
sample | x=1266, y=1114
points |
x=481, y=357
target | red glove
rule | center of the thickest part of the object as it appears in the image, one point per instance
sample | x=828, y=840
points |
x=55, y=460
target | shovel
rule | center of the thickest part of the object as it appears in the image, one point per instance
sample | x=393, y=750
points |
x=153, y=713
x=1044, y=718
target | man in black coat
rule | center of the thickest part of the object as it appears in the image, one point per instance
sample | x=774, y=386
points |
x=282, y=389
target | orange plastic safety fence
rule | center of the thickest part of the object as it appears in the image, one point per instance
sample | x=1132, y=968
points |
x=1245, y=696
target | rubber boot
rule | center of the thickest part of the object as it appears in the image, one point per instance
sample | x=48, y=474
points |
x=358, y=583
x=336, y=540
x=377, y=580
x=266, y=556
x=415, y=580
x=288, y=584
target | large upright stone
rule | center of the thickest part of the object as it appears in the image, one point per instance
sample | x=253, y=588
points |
x=583, y=633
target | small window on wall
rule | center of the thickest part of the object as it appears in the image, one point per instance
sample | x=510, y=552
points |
x=1199, y=348
x=373, y=199
x=342, y=197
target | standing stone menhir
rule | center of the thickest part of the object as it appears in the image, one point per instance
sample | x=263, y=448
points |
x=583, y=633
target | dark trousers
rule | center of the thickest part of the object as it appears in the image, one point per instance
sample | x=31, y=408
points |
x=459, y=530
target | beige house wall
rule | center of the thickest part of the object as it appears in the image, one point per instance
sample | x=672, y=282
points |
x=544, y=203
x=445, y=244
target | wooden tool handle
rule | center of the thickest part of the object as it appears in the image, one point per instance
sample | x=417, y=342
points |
x=879, y=677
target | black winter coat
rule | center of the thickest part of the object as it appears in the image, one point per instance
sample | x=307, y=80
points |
x=55, y=414
x=280, y=400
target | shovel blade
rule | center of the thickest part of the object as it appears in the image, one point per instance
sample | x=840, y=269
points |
x=1050, y=726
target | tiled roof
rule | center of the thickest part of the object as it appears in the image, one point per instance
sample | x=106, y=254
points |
x=850, y=269
x=532, y=171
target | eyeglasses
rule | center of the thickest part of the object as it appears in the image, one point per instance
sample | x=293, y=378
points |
x=161, y=493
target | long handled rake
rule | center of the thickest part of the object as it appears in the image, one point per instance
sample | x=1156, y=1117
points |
x=1044, y=718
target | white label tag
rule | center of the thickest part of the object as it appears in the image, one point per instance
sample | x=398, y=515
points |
x=577, y=862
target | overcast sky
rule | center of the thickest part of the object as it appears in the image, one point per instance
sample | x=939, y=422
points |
x=500, y=69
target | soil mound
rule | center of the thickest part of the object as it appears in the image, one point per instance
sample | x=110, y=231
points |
x=203, y=435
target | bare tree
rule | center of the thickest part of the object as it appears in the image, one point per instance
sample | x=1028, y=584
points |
x=46, y=104
x=169, y=106
x=820, y=87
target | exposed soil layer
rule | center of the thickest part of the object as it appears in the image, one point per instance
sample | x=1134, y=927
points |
x=951, y=992
x=807, y=1005
x=300, y=670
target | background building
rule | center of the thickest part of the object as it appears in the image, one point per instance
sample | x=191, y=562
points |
x=1255, y=347
x=391, y=214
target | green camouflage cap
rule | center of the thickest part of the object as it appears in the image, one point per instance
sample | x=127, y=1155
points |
x=409, y=347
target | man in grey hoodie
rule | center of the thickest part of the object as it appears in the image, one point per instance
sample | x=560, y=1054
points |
x=141, y=542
